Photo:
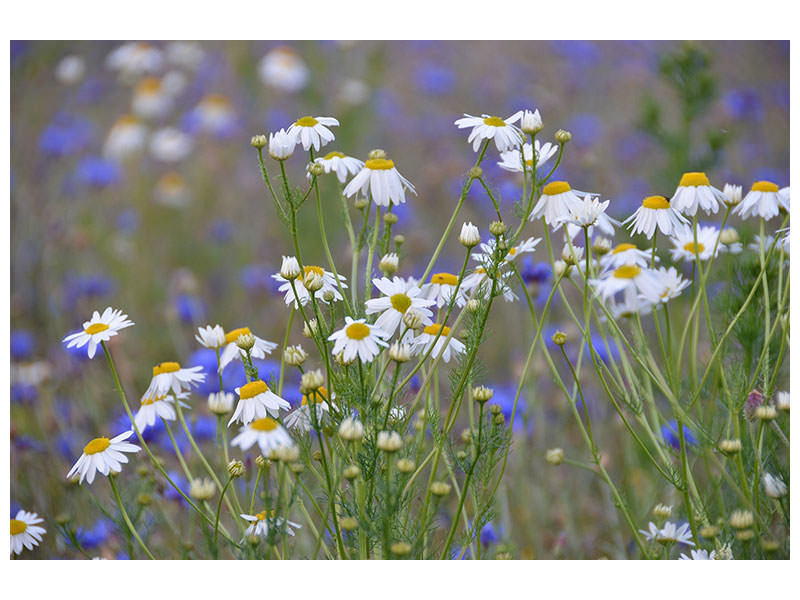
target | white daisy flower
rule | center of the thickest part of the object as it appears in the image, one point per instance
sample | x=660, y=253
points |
x=656, y=212
x=671, y=284
x=260, y=524
x=255, y=401
x=584, y=213
x=700, y=555
x=441, y=288
x=684, y=244
x=259, y=350
x=25, y=531
x=126, y=137
x=70, y=69
x=670, y=532
x=399, y=296
x=555, y=203
x=157, y=406
x=421, y=343
x=104, y=455
x=380, y=178
x=512, y=159
x=211, y=337
x=151, y=99
x=783, y=198
x=300, y=417
x=339, y=163
x=782, y=243
x=171, y=190
x=100, y=328
x=487, y=249
x=266, y=432
x=169, y=376
x=358, y=338
x=169, y=144
x=215, y=113
x=282, y=68
x=506, y=135
x=631, y=304
x=694, y=191
x=479, y=279
x=625, y=254
x=626, y=277
x=312, y=131
x=135, y=58
x=328, y=285
x=763, y=200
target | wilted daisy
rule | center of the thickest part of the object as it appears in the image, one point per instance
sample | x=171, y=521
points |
x=506, y=135
x=694, y=191
x=398, y=296
x=300, y=417
x=25, y=531
x=684, y=244
x=259, y=350
x=441, y=288
x=700, y=555
x=100, y=328
x=424, y=340
x=341, y=164
x=260, y=524
x=126, y=137
x=626, y=277
x=656, y=211
x=358, y=338
x=512, y=159
x=328, y=285
x=170, y=376
x=380, y=178
x=671, y=285
x=763, y=200
x=211, y=336
x=282, y=68
x=266, y=432
x=157, y=406
x=103, y=455
x=255, y=401
x=555, y=203
x=312, y=131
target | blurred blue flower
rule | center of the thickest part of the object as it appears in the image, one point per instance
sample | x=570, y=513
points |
x=456, y=552
x=170, y=492
x=598, y=342
x=586, y=129
x=98, y=172
x=222, y=230
x=256, y=278
x=536, y=272
x=22, y=344
x=580, y=53
x=434, y=79
x=26, y=442
x=490, y=535
x=190, y=308
x=67, y=134
x=96, y=535
x=744, y=103
x=92, y=286
x=203, y=428
x=128, y=220
x=22, y=393
x=669, y=431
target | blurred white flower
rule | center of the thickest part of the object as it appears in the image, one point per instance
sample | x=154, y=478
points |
x=282, y=68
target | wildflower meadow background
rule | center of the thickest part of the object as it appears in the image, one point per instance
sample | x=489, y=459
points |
x=356, y=322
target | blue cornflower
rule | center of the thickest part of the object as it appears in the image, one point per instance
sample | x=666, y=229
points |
x=22, y=344
x=744, y=104
x=170, y=492
x=222, y=231
x=128, y=220
x=536, y=272
x=490, y=535
x=98, y=172
x=96, y=536
x=669, y=432
x=434, y=79
x=190, y=309
x=66, y=134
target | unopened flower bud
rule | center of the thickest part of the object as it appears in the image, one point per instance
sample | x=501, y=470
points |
x=262, y=462
x=499, y=419
x=390, y=218
x=601, y=246
x=469, y=236
x=351, y=430
x=352, y=472
x=733, y=195
x=294, y=355
x=730, y=446
x=554, y=456
x=388, y=264
x=572, y=254
x=258, y=141
x=202, y=489
x=400, y=548
x=773, y=486
x=62, y=518
x=662, y=511
x=560, y=268
x=482, y=394
x=312, y=281
x=287, y=453
x=399, y=352
x=311, y=381
x=497, y=228
x=405, y=465
x=766, y=412
x=440, y=488
x=531, y=122
x=290, y=269
x=475, y=173
x=769, y=545
x=348, y=523
x=316, y=169
x=297, y=467
x=246, y=341
x=328, y=295
x=221, y=403
x=562, y=136
x=236, y=468
x=310, y=328
x=709, y=531
x=144, y=499
x=495, y=409
x=412, y=319
x=559, y=338
x=399, y=239
x=376, y=154
x=745, y=535
x=360, y=203
x=389, y=441
x=473, y=305
x=728, y=236
x=741, y=519
x=342, y=361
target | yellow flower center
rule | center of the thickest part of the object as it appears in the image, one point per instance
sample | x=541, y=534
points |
x=263, y=515
x=253, y=388
x=232, y=336
x=627, y=272
x=172, y=180
x=216, y=100
x=623, y=248
x=334, y=154
x=555, y=187
x=513, y=251
x=494, y=122
x=435, y=328
x=320, y=396
x=379, y=164
x=400, y=302
x=97, y=445
x=312, y=269
x=149, y=85
x=655, y=202
x=95, y=328
x=764, y=186
x=18, y=527
x=690, y=247
x=265, y=424
x=529, y=163
x=152, y=400
x=306, y=122
x=694, y=179
x=480, y=270
x=166, y=367
x=357, y=331
x=444, y=278
x=126, y=120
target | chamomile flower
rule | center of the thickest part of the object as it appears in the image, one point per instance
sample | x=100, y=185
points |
x=625, y=254
x=783, y=198
x=328, y=285
x=151, y=99
x=556, y=203
x=512, y=159
x=281, y=145
x=169, y=144
x=157, y=406
x=282, y=68
x=266, y=432
x=670, y=533
x=260, y=524
x=694, y=191
x=380, y=178
x=671, y=285
x=700, y=555
x=506, y=135
x=171, y=190
x=424, y=340
x=300, y=417
x=341, y=164
x=169, y=376
x=135, y=58
x=215, y=114
x=100, y=328
x=479, y=279
x=255, y=401
x=632, y=304
x=487, y=250
x=126, y=137
x=441, y=288
x=103, y=455
x=656, y=212
x=684, y=244
x=25, y=531
x=211, y=337
x=312, y=132
x=398, y=296
x=763, y=200
x=624, y=278
x=259, y=350
x=358, y=338
x=585, y=213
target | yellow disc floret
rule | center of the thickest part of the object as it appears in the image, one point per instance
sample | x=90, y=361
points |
x=232, y=336
x=264, y=424
x=357, y=331
x=379, y=164
x=556, y=187
x=627, y=272
x=764, y=186
x=334, y=154
x=690, y=247
x=97, y=445
x=95, y=328
x=444, y=278
x=166, y=367
x=694, y=179
x=494, y=122
x=435, y=328
x=400, y=302
x=18, y=526
x=152, y=400
x=312, y=269
x=320, y=396
x=623, y=248
x=306, y=122
x=656, y=202
x=254, y=388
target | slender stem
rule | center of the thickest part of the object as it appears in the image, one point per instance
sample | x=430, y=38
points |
x=126, y=518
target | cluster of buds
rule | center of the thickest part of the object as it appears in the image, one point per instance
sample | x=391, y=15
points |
x=389, y=441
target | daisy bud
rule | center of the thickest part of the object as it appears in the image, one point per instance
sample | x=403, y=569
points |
x=62, y=518
x=662, y=511
x=290, y=269
x=246, y=341
x=554, y=456
x=400, y=548
x=531, y=122
x=389, y=441
x=328, y=295
x=399, y=352
x=262, y=462
x=728, y=236
x=360, y=203
x=497, y=228
x=473, y=305
x=476, y=173
x=572, y=255
x=310, y=329
x=559, y=338
x=412, y=319
x=352, y=472
x=766, y=412
x=466, y=436
x=144, y=499
x=562, y=136
x=730, y=446
x=769, y=545
x=295, y=355
x=351, y=430
x=389, y=264
x=773, y=486
x=499, y=419
x=253, y=539
x=281, y=145
x=709, y=531
x=405, y=465
x=560, y=268
x=312, y=281
x=503, y=556
x=287, y=454
x=316, y=169
x=495, y=409
x=202, y=489
x=376, y=154
x=399, y=239
x=317, y=455
x=235, y=468
x=311, y=381
x=390, y=218
x=348, y=523
x=297, y=467
x=470, y=236
x=725, y=553
x=741, y=519
x=340, y=360
x=745, y=535
x=782, y=401
x=220, y=403
x=440, y=488
x=258, y=141
x=601, y=246
x=461, y=455
x=482, y=394
x=733, y=194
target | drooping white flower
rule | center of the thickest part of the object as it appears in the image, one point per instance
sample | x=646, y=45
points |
x=428, y=338
x=585, y=212
x=671, y=285
x=625, y=254
x=171, y=377
x=260, y=349
x=211, y=336
x=157, y=406
x=301, y=417
x=694, y=191
x=341, y=164
x=512, y=159
x=255, y=401
x=555, y=203
x=441, y=288
x=103, y=455
x=506, y=135
x=763, y=200
x=380, y=178
x=358, y=338
x=328, y=285
x=626, y=277
x=100, y=328
x=260, y=524
x=312, y=132
x=656, y=212
x=266, y=432
x=684, y=247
